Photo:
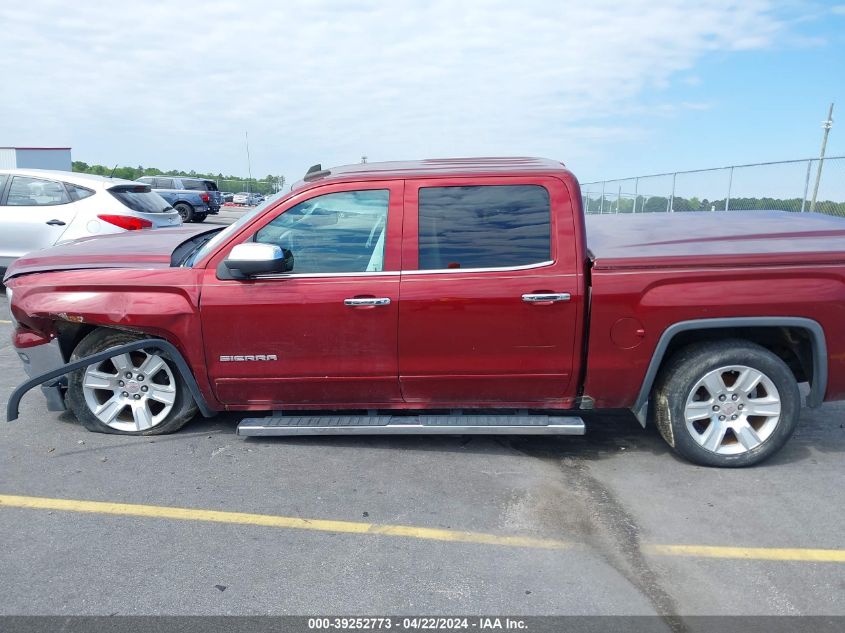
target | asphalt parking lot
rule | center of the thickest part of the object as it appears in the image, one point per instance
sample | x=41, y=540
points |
x=205, y=522
x=227, y=215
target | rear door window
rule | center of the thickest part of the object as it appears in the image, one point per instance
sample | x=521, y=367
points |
x=194, y=185
x=199, y=185
x=164, y=183
x=36, y=192
x=488, y=226
x=140, y=199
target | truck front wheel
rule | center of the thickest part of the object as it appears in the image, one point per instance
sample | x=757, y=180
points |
x=138, y=393
x=727, y=403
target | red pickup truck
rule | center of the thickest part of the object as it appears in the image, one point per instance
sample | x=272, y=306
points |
x=445, y=296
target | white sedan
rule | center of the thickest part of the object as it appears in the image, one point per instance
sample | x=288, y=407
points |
x=248, y=199
x=39, y=208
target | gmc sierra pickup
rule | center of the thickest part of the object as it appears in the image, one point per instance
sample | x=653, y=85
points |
x=444, y=296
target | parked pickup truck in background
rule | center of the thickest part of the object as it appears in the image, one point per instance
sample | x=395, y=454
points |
x=194, y=198
x=445, y=296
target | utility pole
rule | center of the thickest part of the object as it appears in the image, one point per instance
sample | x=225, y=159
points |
x=826, y=125
x=248, y=164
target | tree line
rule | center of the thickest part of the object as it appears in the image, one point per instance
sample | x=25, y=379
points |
x=270, y=184
x=655, y=204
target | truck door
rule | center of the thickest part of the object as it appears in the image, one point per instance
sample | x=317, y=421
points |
x=491, y=293
x=323, y=333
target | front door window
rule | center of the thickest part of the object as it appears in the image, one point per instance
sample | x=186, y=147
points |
x=340, y=232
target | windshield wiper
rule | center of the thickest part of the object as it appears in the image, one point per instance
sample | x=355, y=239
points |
x=185, y=261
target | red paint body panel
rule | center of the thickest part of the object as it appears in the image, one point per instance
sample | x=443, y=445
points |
x=468, y=334
x=662, y=269
x=454, y=339
x=328, y=353
x=162, y=302
x=662, y=297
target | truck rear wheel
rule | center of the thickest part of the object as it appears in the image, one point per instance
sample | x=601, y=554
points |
x=139, y=393
x=186, y=211
x=728, y=403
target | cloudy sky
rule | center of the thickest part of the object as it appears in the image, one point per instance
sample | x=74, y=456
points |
x=612, y=88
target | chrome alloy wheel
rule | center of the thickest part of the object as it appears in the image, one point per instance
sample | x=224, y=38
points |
x=732, y=410
x=130, y=392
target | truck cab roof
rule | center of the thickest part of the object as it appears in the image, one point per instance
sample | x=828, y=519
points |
x=433, y=168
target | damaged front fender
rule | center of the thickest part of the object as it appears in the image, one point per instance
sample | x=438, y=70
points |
x=12, y=408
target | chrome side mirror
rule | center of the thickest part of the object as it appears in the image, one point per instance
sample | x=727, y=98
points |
x=254, y=258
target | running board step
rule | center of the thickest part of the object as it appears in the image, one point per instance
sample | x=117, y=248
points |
x=412, y=425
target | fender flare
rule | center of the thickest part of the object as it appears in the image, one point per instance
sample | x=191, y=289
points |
x=814, y=328
x=154, y=343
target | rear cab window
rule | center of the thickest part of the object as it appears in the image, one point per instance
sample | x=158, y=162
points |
x=140, y=198
x=484, y=226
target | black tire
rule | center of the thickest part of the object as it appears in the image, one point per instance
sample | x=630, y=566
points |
x=690, y=365
x=102, y=339
x=200, y=217
x=186, y=211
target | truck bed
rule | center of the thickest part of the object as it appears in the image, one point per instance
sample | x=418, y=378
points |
x=720, y=238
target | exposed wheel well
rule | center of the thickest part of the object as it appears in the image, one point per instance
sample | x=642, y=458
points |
x=69, y=335
x=793, y=345
x=799, y=342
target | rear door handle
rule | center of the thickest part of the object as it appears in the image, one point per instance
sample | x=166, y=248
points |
x=56, y=223
x=546, y=297
x=367, y=301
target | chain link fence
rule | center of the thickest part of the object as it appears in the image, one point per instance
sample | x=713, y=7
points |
x=775, y=186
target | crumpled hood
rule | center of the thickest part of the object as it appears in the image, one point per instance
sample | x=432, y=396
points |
x=131, y=249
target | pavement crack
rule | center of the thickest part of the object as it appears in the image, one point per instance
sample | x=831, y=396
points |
x=606, y=527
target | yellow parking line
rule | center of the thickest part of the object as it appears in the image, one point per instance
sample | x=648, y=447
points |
x=5, y=321
x=750, y=553
x=408, y=531
x=268, y=520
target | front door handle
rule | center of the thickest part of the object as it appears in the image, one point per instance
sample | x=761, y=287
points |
x=56, y=223
x=546, y=297
x=367, y=301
